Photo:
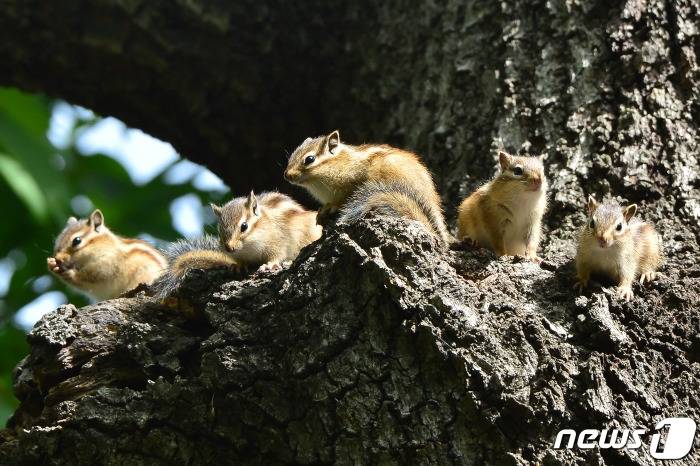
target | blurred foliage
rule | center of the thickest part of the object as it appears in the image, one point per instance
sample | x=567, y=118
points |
x=37, y=183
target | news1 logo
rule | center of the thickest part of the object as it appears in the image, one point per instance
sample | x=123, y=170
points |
x=672, y=439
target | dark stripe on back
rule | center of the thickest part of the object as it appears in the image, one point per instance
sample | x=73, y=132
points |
x=272, y=200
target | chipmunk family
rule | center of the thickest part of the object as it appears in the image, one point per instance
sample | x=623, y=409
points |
x=505, y=214
x=92, y=259
x=617, y=244
x=357, y=179
x=265, y=230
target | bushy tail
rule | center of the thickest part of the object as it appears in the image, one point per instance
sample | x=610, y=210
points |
x=188, y=254
x=394, y=199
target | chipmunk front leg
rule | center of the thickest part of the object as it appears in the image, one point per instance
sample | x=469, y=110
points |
x=647, y=277
x=53, y=265
x=57, y=267
x=624, y=290
x=532, y=242
x=271, y=266
x=499, y=238
x=583, y=275
x=627, y=274
x=531, y=255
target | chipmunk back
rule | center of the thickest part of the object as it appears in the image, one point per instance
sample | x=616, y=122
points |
x=333, y=172
x=92, y=259
x=618, y=245
x=394, y=199
x=265, y=230
x=505, y=214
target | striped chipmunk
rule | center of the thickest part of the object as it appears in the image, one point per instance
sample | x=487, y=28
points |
x=616, y=244
x=92, y=259
x=262, y=231
x=505, y=214
x=265, y=230
x=357, y=179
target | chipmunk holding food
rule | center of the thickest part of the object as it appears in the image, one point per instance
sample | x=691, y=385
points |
x=254, y=231
x=357, y=179
x=617, y=244
x=505, y=214
x=92, y=259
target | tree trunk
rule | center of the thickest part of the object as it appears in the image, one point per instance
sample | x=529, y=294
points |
x=377, y=346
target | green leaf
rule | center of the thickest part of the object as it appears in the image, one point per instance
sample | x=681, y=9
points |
x=30, y=111
x=13, y=347
x=26, y=188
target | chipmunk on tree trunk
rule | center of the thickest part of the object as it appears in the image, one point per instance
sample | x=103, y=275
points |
x=615, y=243
x=359, y=179
x=505, y=214
x=92, y=259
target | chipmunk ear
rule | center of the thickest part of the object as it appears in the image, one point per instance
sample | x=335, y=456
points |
x=332, y=141
x=97, y=219
x=216, y=209
x=504, y=159
x=629, y=211
x=71, y=221
x=252, y=204
x=592, y=204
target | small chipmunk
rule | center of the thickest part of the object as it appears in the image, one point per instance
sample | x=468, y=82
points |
x=253, y=231
x=266, y=230
x=374, y=176
x=616, y=244
x=505, y=214
x=92, y=259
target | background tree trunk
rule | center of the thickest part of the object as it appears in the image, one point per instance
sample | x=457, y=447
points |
x=377, y=346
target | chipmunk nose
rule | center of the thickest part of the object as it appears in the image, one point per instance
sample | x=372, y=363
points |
x=288, y=175
x=602, y=241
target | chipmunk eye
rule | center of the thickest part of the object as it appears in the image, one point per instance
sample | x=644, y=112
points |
x=76, y=241
x=518, y=171
x=244, y=226
x=592, y=223
x=619, y=227
x=309, y=159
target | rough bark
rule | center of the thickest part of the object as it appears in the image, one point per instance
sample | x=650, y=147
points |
x=375, y=346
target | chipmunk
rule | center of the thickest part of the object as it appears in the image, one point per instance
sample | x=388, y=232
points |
x=266, y=230
x=505, y=214
x=92, y=259
x=616, y=244
x=255, y=231
x=373, y=176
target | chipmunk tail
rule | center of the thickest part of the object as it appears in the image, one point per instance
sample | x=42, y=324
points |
x=189, y=254
x=394, y=199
